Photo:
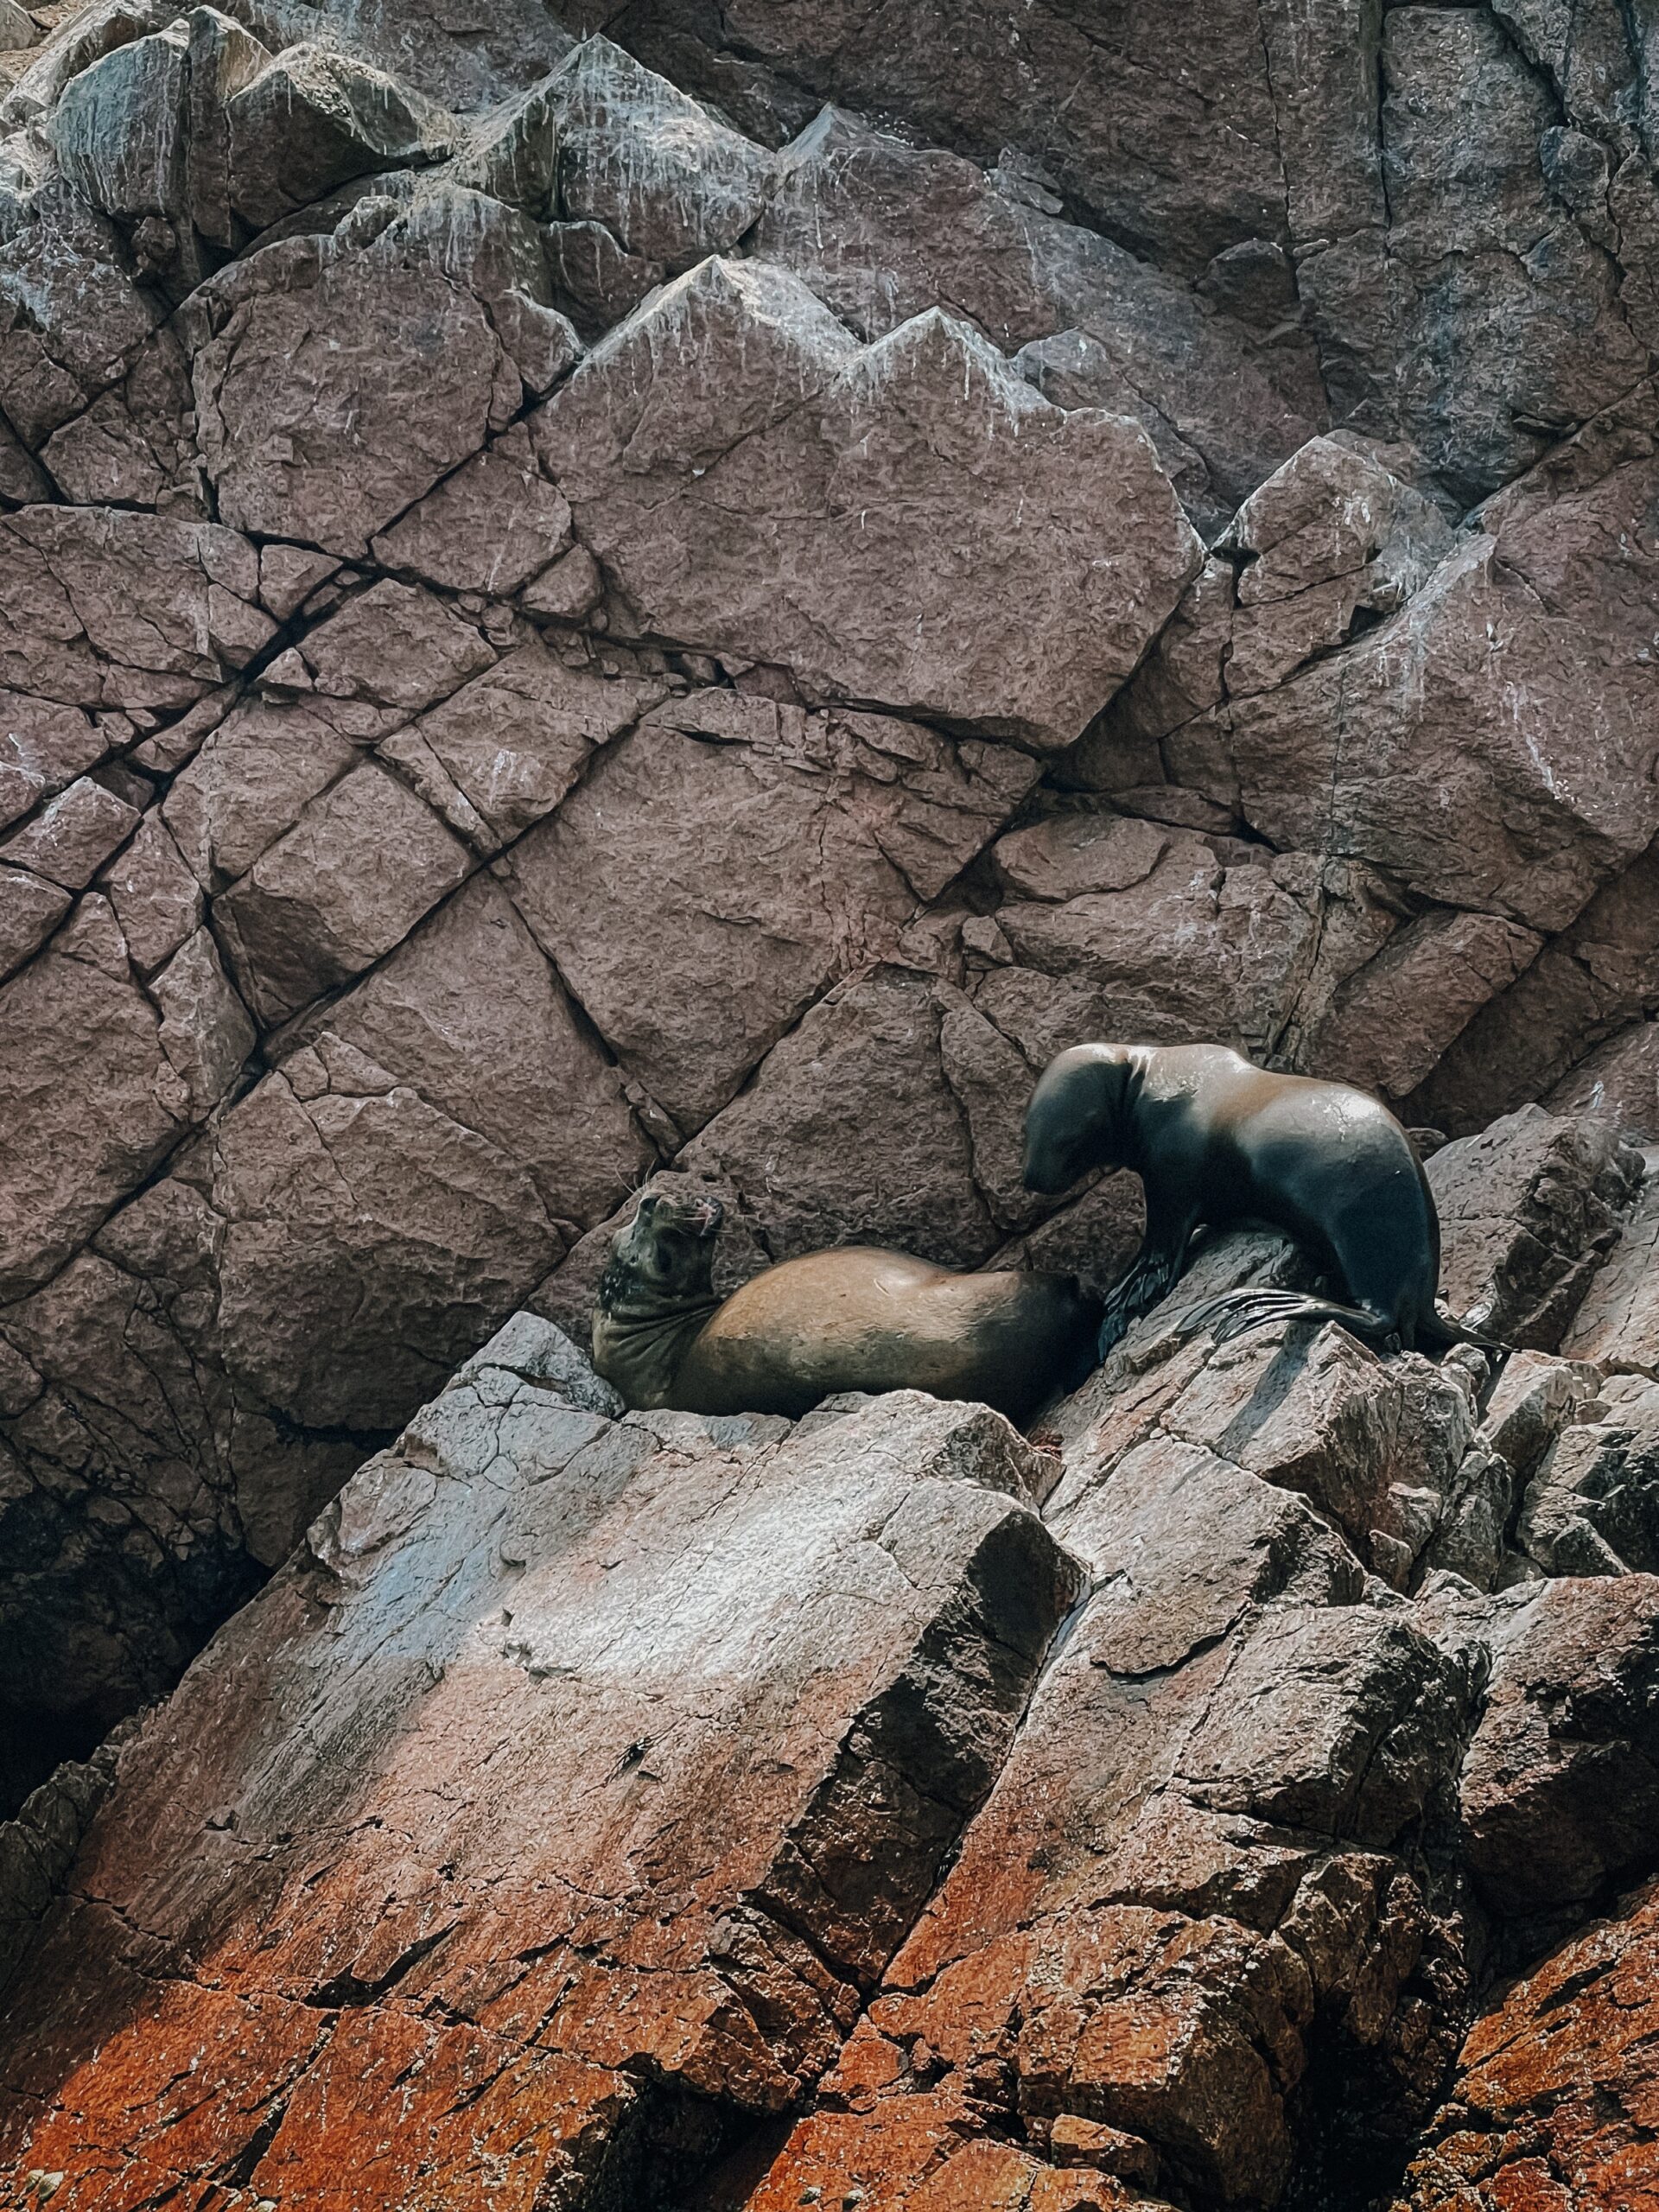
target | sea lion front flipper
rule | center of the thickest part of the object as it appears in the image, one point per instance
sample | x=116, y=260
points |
x=1154, y=1270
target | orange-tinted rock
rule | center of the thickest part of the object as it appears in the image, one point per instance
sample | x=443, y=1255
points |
x=1554, y=2106
x=538, y=1886
x=1194, y=1862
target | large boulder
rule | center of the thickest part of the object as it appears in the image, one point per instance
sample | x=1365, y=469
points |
x=477, y=1701
x=907, y=524
x=1553, y=2099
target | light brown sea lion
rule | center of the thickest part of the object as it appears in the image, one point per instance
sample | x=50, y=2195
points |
x=853, y=1319
x=1216, y=1140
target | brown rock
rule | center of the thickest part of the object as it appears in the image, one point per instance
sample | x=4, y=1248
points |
x=595, y=280
x=1592, y=1506
x=30, y=909
x=1529, y=1211
x=1561, y=1787
x=224, y=59
x=289, y=574
x=1390, y=1024
x=736, y=412
x=1599, y=974
x=1330, y=537
x=1511, y=303
x=22, y=484
x=251, y=781
x=134, y=447
x=1618, y=1082
x=157, y=901
x=1551, y=2105
x=719, y=869
x=87, y=1097
x=1125, y=1944
x=882, y=231
x=73, y=836
x=820, y=1823
x=106, y=608
x=313, y=118
x=206, y=1032
x=510, y=1063
x=850, y=1133
x=73, y=317
x=515, y=741
x=573, y=587
x=1105, y=962
x=511, y=153
x=488, y=528
x=1089, y=115
x=38, y=1848
x=1376, y=1446
x=394, y=645
x=1528, y=638
x=1616, y=1325
x=352, y=1203
x=307, y=437
x=359, y=868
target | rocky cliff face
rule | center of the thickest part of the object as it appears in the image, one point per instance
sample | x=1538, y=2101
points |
x=604, y=1810
x=584, y=591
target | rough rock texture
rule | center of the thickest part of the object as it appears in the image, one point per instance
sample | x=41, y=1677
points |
x=877, y=1804
x=1555, y=2104
x=587, y=591
x=656, y=1920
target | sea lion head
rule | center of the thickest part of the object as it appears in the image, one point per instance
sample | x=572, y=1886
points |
x=663, y=1259
x=1077, y=1117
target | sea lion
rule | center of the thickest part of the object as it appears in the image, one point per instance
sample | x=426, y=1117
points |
x=853, y=1319
x=1216, y=1140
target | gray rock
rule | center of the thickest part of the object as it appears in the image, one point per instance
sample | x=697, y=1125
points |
x=1529, y=1211
x=669, y=183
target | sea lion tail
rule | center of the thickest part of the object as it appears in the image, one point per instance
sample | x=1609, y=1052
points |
x=1439, y=1331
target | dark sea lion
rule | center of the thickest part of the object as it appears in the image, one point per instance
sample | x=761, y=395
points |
x=853, y=1319
x=1217, y=1140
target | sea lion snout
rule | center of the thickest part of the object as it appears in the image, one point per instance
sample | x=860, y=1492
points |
x=1072, y=1122
x=698, y=1218
x=1045, y=1169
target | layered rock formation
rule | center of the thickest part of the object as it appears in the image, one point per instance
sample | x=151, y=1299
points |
x=649, y=1809
x=587, y=591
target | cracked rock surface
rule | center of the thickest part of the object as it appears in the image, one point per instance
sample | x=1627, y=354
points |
x=587, y=592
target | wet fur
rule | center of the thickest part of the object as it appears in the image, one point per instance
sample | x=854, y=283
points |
x=1217, y=1140
x=857, y=1317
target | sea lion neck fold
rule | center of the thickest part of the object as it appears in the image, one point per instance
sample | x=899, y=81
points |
x=656, y=1294
x=1082, y=1115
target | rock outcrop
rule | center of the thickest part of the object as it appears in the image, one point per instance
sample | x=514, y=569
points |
x=696, y=590
x=665, y=1810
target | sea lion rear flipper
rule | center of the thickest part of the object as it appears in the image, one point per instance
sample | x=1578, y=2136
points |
x=1253, y=1308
